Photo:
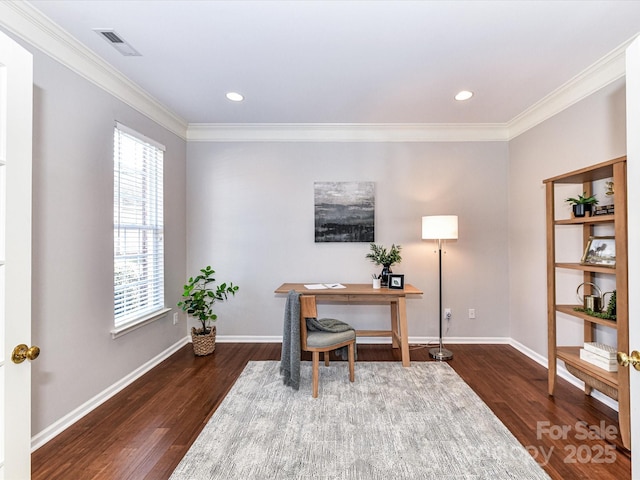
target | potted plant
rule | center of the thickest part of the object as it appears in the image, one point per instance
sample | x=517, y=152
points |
x=198, y=298
x=380, y=256
x=582, y=204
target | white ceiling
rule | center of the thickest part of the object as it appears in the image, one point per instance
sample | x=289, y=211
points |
x=350, y=61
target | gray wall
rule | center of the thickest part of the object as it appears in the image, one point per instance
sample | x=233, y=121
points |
x=251, y=209
x=589, y=132
x=73, y=243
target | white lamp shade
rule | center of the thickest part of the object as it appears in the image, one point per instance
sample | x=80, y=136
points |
x=440, y=227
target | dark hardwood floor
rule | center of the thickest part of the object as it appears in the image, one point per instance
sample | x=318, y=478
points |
x=144, y=431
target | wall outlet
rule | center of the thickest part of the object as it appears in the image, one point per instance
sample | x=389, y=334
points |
x=447, y=314
x=175, y=318
x=472, y=313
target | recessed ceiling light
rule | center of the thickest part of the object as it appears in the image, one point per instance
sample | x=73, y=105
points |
x=464, y=95
x=235, y=97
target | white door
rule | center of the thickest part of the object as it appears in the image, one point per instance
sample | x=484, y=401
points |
x=633, y=201
x=16, y=97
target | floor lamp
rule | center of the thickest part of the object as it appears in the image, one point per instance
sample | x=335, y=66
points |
x=439, y=228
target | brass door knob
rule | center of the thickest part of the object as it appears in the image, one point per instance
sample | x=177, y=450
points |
x=633, y=359
x=22, y=352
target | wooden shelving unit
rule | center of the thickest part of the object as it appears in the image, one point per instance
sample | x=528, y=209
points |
x=612, y=384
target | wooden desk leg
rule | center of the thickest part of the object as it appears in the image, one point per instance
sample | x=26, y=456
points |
x=394, y=324
x=404, y=334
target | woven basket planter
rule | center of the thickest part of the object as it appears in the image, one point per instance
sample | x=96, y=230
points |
x=203, y=344
x=593, y=382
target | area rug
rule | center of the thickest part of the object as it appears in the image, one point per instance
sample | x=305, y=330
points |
x=421, y=422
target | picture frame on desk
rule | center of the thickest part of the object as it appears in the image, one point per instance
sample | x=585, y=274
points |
x=600, y=251
x=396, y=281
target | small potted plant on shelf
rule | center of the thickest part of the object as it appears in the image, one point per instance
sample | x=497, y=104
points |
x=198, y=297
x=380, y=256
x=582, y=204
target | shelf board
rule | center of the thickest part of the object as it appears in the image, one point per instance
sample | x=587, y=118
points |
x=587, y=268
x=571, y=355
x=588, y=174
x=609, y=218
x=569, y=310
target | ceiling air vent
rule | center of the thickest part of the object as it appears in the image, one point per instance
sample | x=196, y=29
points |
x=117, y=42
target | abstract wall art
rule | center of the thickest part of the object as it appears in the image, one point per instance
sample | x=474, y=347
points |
x=344, y=211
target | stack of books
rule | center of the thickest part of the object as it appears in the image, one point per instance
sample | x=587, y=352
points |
x=603, y=209
x=600, y=355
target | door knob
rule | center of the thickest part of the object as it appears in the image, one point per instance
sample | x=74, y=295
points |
x=633, y=359
x=22, y=352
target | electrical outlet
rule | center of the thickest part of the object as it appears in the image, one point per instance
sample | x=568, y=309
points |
x=175, y=318
x=472, y=313
x=447, y=314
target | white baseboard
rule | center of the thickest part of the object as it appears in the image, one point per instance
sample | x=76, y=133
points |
x=248, y=339
x=72, y=417
x=476, y=340
x=541, y=359
x=563, y=373
x=368, y=340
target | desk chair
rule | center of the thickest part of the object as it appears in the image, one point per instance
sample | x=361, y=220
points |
x=316, y=342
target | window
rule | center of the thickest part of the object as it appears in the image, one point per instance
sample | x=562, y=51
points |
x=138, y=275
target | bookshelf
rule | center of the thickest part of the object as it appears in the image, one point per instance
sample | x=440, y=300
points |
x=612, y=384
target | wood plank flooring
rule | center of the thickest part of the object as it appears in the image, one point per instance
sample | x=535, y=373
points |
x=144, y=431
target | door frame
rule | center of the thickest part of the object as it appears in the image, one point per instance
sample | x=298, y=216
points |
x=633, y=200
x=16, y=151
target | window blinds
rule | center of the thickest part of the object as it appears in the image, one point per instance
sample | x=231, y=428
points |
x=137, y=227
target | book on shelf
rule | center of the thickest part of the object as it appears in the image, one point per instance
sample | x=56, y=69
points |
x=598, y=361
x=603, y=350
x=603, y=209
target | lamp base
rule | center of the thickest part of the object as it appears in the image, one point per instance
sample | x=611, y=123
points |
x=441, y=353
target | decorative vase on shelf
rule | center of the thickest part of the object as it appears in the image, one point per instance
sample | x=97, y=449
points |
x=580, y=209
x=384, y=275
x=582, y=204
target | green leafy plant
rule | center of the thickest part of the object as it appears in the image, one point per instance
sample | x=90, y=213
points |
x=582, y=200
x=611, y=306
x=593, y=313
x=380, y=256
x=608, y=314
x=200, y=294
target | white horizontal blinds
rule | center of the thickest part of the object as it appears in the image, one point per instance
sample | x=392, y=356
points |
x=137, y=227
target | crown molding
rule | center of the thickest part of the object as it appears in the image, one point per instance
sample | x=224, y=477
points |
x=606, y=70
x=352, y=132
x=26, y=22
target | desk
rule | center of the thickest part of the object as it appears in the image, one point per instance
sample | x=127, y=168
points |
x=364, y=293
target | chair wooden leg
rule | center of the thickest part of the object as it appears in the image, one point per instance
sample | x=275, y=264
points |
x=316, y=367
x=326, y=359
x=352, y=359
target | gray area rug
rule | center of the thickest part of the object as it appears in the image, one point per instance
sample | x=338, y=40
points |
x=421, y=422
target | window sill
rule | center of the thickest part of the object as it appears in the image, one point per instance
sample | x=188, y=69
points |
x=140, y=322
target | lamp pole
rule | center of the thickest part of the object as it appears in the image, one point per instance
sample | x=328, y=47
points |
x=440, y=353
x=440, y=228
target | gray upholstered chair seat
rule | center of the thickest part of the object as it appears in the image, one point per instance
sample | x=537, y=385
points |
x=323, y=336
x=326, y=339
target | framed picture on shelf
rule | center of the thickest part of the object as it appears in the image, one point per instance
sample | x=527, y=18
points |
x=600, y=251
x=396, y=281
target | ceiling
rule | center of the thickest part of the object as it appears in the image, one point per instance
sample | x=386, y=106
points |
x=339, y=62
